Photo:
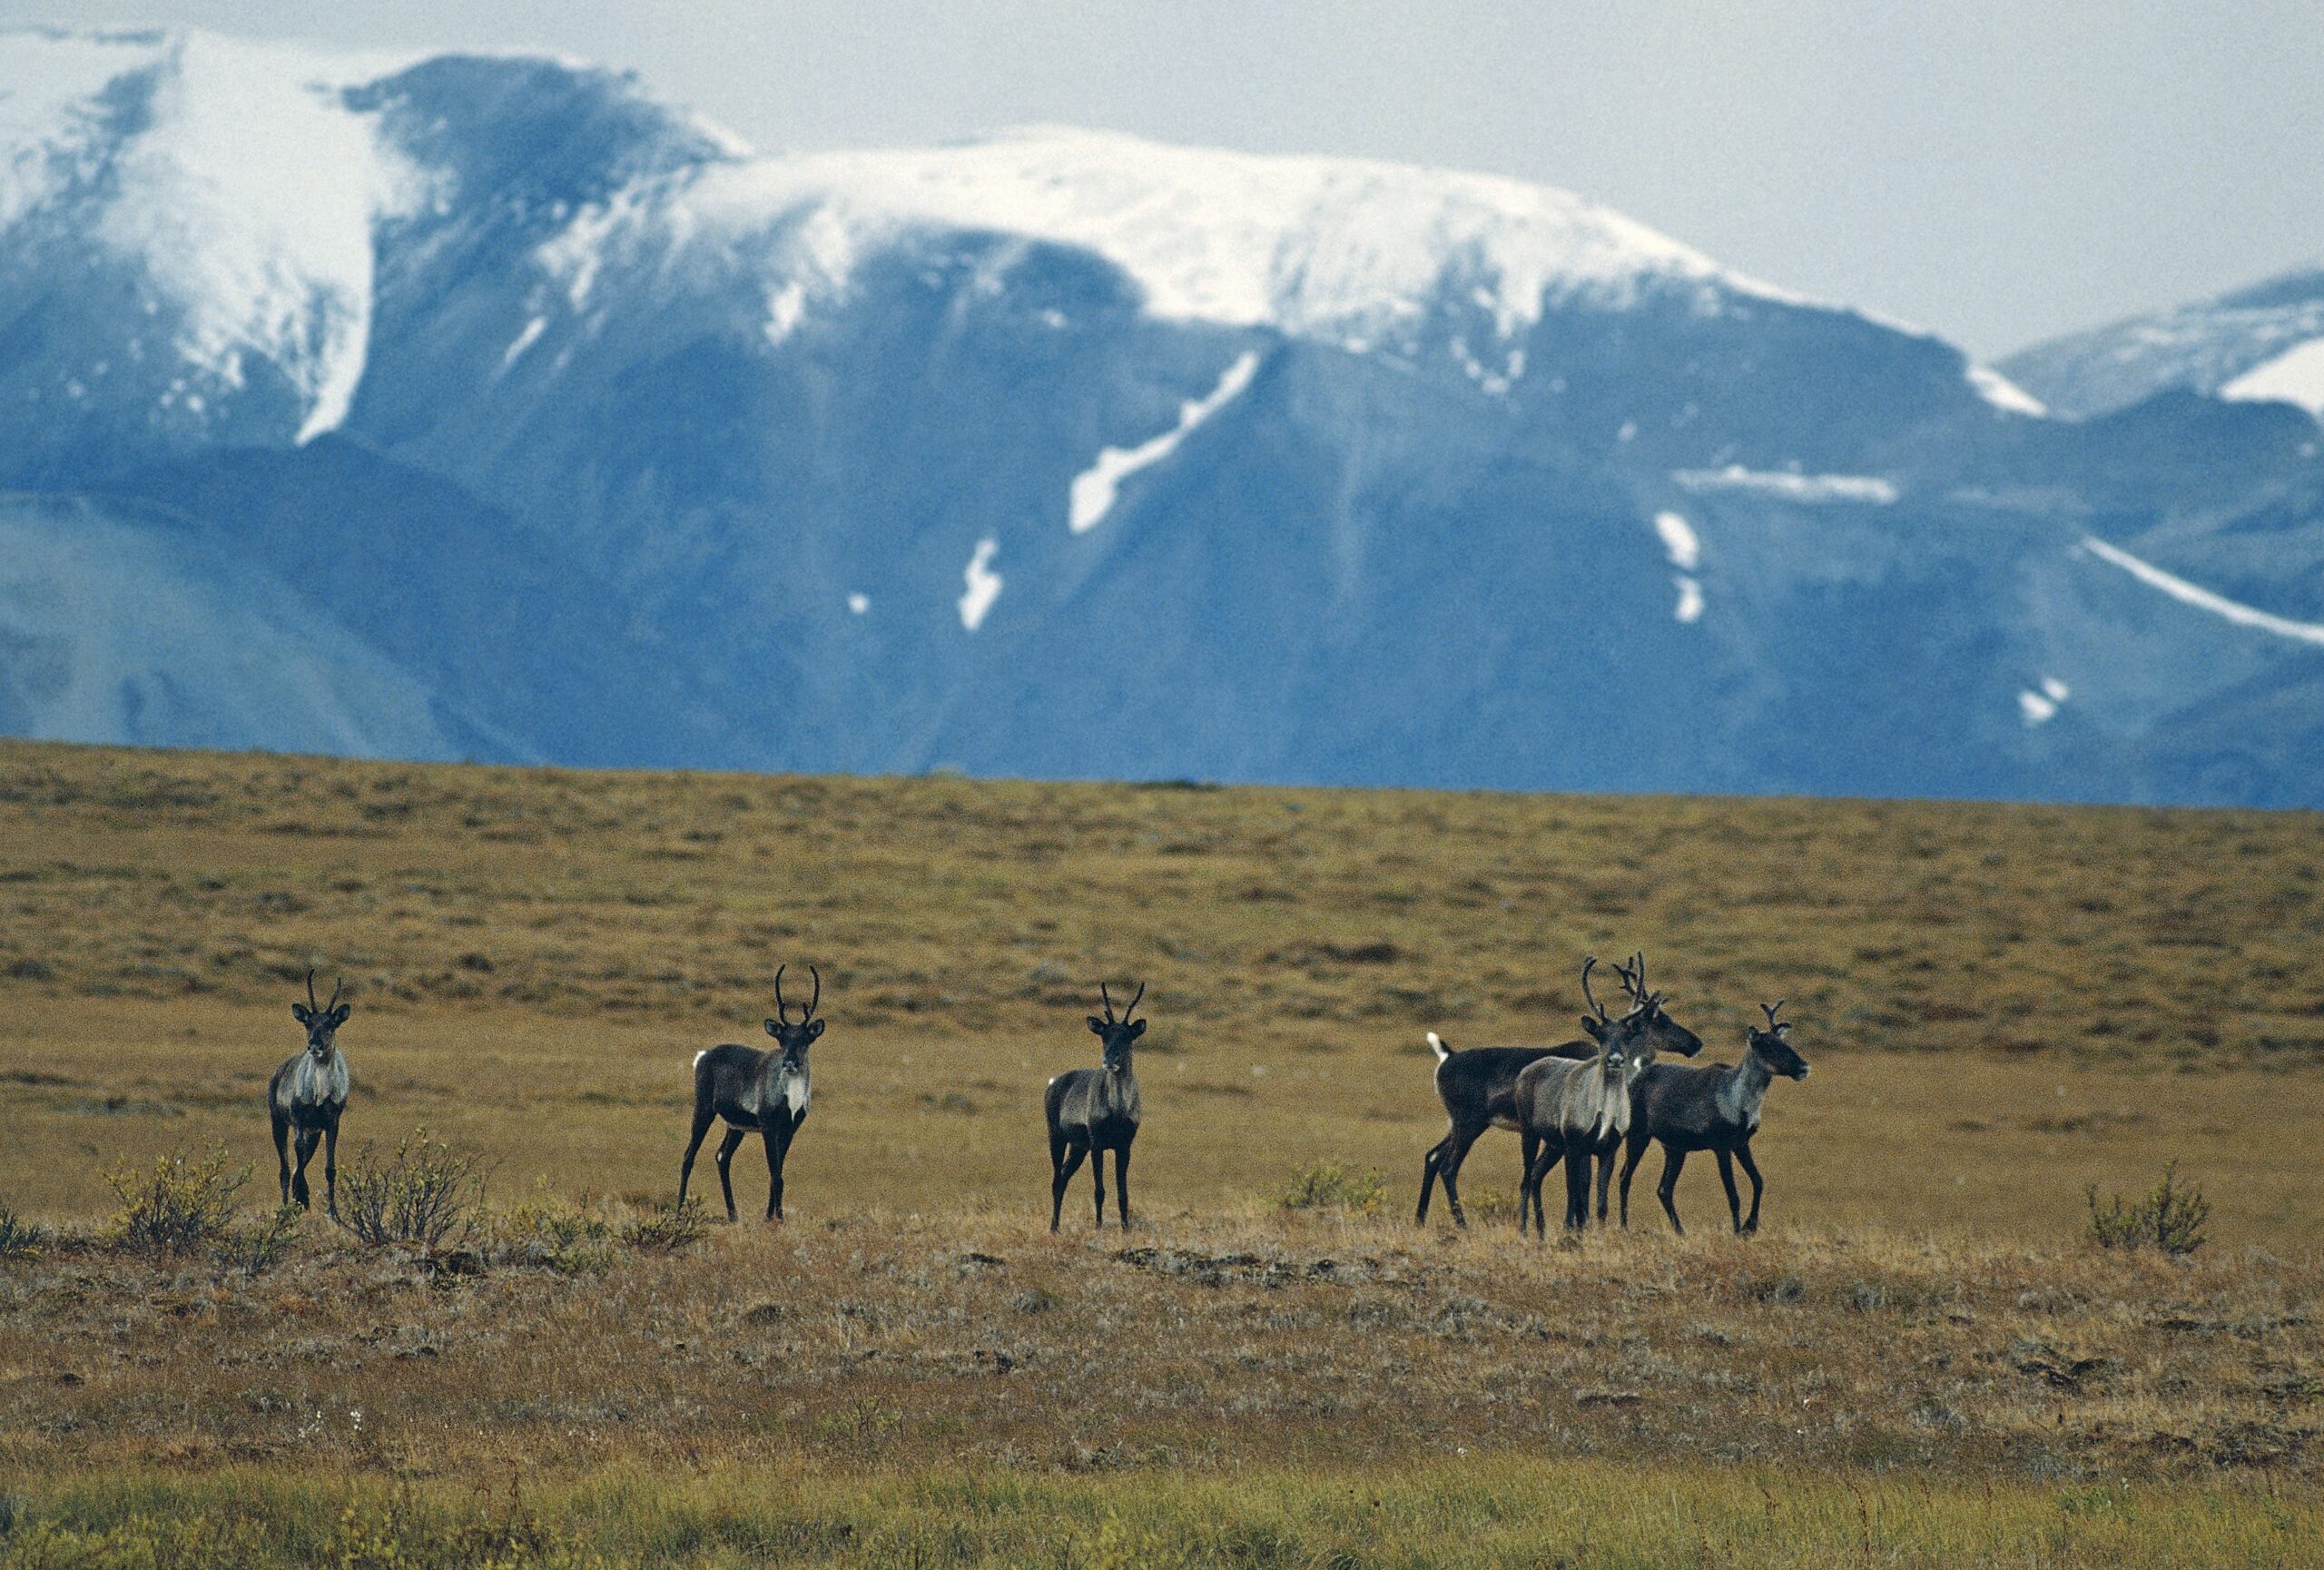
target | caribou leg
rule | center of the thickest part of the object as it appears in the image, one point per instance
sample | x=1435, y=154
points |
x=1428, y=1167
x=1727, y=1176
x=331, y=1172
x=1065, y=1168
x=306, y=1143
x=703, y=1118
x=726, y=1148
x=1577, y=1190
x=778, y=1145
x=1121, y=1184
x=1667, y=1190
x=1751, y=1169
x=1450, y=1171
x=1633, y=1152
x=1524, y=1195
x=282, y=1149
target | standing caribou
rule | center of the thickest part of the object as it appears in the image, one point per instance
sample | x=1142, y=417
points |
x=1715, y=1109
x=309, y=1093
x=755, y=1089
x=1476, y=1083
x=1093, y=1110
x=1570, y=1109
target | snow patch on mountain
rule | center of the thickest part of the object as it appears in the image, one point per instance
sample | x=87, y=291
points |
x=2038, y=704
x=245, y=192
x=523, y=341
x=1679, y=542
x=2202, y=598
x=1337, y=249
x=2294, y=377
x=983, y=584
x=1092, y=494
x=2004, y=394
x=1791, y=487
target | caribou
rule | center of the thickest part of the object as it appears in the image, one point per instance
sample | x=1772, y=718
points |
x=1476, y=1085
x=752, y=1089
x=1572, y=1108
x=1715, y=1109
x=307, y=1093
x=1093, y=1110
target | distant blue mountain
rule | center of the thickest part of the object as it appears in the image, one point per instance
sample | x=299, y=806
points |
x=490, y=407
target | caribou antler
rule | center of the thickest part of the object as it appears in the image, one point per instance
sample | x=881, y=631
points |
x=312, y=1006
x=1775, y=1026
x=816, y=999
x=1126, y=1012
x=1588, y=963
x=335, y=990
x=1633, y=974
x=782, y=1008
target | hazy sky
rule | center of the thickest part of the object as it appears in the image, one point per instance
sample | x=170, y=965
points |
x=1997, y=171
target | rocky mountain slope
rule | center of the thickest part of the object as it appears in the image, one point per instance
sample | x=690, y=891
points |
x=541, y=411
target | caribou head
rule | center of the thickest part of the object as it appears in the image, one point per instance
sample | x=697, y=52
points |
x=1625, y=1043
x=322, y=1020
x=1118, y=1034
x=796, y=1037
x=1667, y=1033
x=1772, y=1047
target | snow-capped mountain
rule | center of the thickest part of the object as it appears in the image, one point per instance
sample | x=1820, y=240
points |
x=2261, y=343
x=565, y=427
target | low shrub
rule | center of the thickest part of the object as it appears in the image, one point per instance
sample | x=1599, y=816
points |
x=668, y=1230
x=256, y=1249
x=424, y=1194
x=544, y=1230
x=2170, y=1218
x=184, y=1205
x=1328, y=1186
x=19, y=1239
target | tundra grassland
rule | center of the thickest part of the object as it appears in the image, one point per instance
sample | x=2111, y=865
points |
x=1919, y=1361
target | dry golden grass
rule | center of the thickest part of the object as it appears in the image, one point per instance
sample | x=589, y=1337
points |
x=2002, y=1005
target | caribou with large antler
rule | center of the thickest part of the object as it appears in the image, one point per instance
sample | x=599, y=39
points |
x=1476, y=1083
x=1093, y=1110
x=307, y=1094
x=1571, y=1110
x=1715, y=1109
x=765, y=1091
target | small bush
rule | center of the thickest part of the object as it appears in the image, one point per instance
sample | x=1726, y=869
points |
x=185, y=1205
x=669, y=1230
x=256, y=1250
x=425, y=1193
x=19, y=1239
x=544, y=1230
x=1491, y=1206
x=1328, y=1186
x=2170, y=1218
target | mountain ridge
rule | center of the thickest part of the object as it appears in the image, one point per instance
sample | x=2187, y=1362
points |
x=1066, y=453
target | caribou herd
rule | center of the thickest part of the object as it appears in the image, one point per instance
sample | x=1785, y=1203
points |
x=1583, y=1102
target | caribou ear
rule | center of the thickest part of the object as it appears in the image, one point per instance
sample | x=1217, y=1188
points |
x=1096, y=1026
x=339, y=1015
x=773, y=1029
x=1596, y=1030
x=299, y=1013
x=815, y=1030
x=1138, y=1030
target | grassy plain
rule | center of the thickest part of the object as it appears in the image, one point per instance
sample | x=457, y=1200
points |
x=2003, y=1004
